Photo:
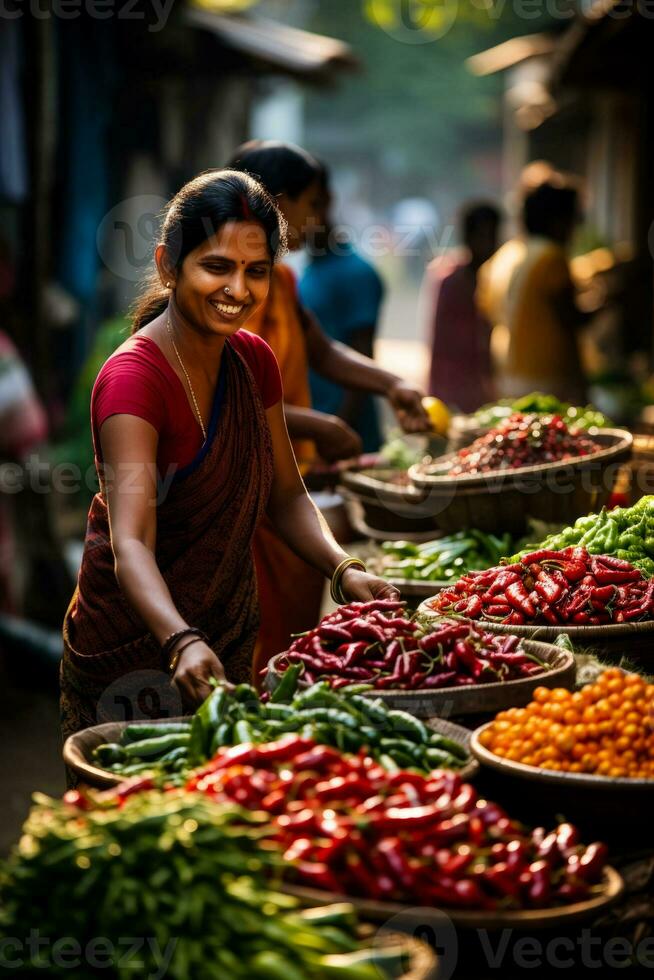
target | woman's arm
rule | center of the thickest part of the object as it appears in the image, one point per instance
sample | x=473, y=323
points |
x=302, y=526
x=333, y=437
x=346, y=367
x=129, y=451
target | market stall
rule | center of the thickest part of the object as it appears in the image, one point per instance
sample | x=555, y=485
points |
x=454, y=759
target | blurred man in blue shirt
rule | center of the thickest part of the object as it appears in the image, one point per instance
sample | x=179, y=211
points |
x=345, y=293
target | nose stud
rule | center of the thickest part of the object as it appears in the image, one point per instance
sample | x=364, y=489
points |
x=228, y=290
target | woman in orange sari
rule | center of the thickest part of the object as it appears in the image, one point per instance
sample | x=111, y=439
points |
x=290, y=592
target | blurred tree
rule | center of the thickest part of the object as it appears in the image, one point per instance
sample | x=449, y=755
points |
x=416, y=119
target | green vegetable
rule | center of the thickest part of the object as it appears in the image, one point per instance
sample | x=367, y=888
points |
x=109, y=754
x=136, y=732
x=288, y=684
x=407, y=725
x=148, y=748
x=193, y=871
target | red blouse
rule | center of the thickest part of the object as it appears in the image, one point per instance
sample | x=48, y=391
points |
x=140, y=381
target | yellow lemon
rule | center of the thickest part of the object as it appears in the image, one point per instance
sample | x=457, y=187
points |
x=439, y=414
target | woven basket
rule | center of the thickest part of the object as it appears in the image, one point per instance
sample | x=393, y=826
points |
x=557, y=493
x=612, y=641
x=386, y=506
x=597, y=802
x=477, y=700
x=411, y=918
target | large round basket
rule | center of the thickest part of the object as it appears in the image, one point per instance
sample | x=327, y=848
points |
x=477, y=699
x=596, y=802
x=78, y=749
x=611, y=641
x=557, y=493
x=409, y=916
x=387, y=506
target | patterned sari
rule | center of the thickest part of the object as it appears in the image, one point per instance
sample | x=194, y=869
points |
x=206, y=519
x=290, y=590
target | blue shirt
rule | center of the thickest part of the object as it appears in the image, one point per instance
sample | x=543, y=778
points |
x=345, y=292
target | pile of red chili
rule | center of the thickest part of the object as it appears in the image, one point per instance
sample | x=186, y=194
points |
x=347, y=825
x=569, y=586
x=378, y=645
x=522, y=440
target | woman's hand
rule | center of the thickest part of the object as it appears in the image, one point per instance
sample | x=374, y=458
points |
x=194, y=669
x=406, y=402
x=335, y=440
x=360, y=586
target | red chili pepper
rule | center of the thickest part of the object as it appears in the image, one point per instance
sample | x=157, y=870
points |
x=574, y=570
x=541, y=556
x=540, y=885
x=361, y=629
x=546, y=587
x=442, y=679
x=567, y=837
x=474, y=607
x=284, y=749
x=601, y=596
x=502, y=879
x=331, y=633
x=398, y=864
x=519, y=599
x=515, y=618
x=317, y=875
x=592, y=863
x=395, y=818
x=612, y=576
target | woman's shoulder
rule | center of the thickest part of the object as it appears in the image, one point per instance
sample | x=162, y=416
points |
x=138, y=356
x=261, y=360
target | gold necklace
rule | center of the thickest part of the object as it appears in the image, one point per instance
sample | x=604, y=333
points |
x=188, y=380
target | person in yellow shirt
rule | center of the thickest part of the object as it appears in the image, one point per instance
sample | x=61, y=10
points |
x=526, y=290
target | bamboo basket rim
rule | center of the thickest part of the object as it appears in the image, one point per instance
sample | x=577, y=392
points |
x=623, y=442
x=359, y=482
x=612, y=887
x=535, y=774
x=543, y=632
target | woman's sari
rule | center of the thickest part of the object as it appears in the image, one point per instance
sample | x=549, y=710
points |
x=206, y=519
x=290, y=591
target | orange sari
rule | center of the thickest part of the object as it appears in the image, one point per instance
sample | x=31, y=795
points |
x=290, y=591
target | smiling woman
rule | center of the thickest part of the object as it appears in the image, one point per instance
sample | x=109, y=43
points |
x=191, y=450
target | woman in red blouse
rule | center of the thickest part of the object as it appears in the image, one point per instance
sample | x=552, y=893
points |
x=191, y=450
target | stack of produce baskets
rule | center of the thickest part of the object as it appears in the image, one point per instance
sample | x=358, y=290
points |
x=504, y=499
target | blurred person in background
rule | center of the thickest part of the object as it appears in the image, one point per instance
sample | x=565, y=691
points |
x=526, y=289
x=290, y=591
x=459, y=333
x=344, y=292
x=23, y=427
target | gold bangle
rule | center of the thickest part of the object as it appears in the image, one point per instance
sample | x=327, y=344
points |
x=174, y=660
x=336, y=591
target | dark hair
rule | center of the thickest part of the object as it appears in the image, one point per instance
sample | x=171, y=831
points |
x=282, y=168
x=196, y=213
x=478, y=213
x=546, y=205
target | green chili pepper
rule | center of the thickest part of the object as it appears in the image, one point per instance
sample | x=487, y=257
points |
x=109, y=754
x=151, y=747
x=288, y=684
x=243, y=732
x=408, y=726
x=454, y=748
x=220, y=737
x=136, y=732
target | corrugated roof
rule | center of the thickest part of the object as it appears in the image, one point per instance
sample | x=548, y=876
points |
x=276, y=45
